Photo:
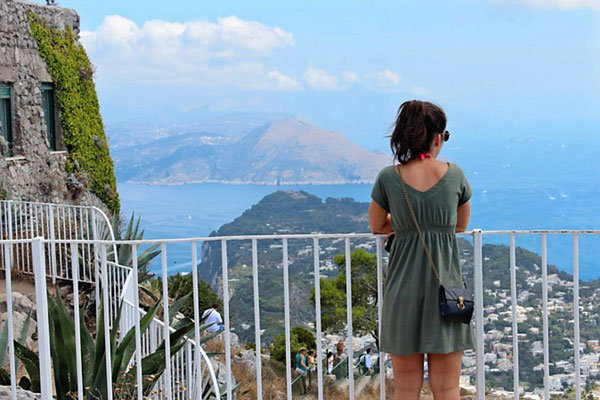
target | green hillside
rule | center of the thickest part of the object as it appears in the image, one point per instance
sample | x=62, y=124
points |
x=301, y=212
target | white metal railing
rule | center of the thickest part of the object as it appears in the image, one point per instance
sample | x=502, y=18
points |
x=175, y=373
x=27, y=220
x=66, y=226
x=60, y=224
x=190, y=373
x=191, y=365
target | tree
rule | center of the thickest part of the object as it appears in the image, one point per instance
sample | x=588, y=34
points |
x=365, y=296
x=299, y=337
x=182, y=285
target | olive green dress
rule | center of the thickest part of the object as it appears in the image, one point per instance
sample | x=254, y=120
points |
x=411, y=320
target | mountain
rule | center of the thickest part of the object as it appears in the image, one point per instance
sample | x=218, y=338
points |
x=290, y=151
x=232, y=125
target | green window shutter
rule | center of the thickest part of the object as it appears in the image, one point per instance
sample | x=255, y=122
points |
x=48, y=106
x=4, y=91
x=5, y=114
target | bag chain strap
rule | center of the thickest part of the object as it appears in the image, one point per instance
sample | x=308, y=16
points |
x=414, y=218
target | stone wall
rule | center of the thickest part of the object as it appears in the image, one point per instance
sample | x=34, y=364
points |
x=32, y=172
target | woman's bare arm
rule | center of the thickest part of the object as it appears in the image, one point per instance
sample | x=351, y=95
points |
x=463, y=216
x=379, y=220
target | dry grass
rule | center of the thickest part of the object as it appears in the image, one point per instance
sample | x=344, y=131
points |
x=272, y=387
x=274, y=381
x=274, y=384
x=215, y=345
x=371, y=392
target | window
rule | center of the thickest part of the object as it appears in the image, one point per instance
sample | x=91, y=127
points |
x=5, y=115
x=49, y=116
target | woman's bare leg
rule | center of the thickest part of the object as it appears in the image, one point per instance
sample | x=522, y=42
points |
x=444, y=374
x=408, y=376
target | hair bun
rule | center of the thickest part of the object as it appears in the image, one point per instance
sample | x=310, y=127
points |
x=416, y=124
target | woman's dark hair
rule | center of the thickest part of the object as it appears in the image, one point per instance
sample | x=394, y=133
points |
x=416, y=125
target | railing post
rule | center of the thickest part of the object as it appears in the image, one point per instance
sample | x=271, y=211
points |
x=9, y=219
x=256, y=320
x=78, y=356
x=545, y=316
x=43, y=322
x=576, y=316
x=166, y=332
x=226, y=312
x=349, y=327
x=136, y=317
x=286, y=307
x=9, y=319
x=198, y=381
x=478, y=276
x=52, y=244
x=96, y=265
x=107, y=322
x=380, y=316
x=317, y=275
x=515, y=326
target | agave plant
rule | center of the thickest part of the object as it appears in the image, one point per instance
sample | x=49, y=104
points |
x=62, y=347
x=124, y=256
x=4, y=375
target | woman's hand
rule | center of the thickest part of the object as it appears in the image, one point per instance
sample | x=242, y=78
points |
x=462, y=217
x=379, y=220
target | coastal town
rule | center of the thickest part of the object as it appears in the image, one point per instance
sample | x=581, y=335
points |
x=499, y=355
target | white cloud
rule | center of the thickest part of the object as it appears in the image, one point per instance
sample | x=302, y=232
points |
x=560, y=4
x=386, y=79
x=382, y=81
x=228, y=52
x=284, y=82
x=350, y=76
x=320, y=79
x=253, y=36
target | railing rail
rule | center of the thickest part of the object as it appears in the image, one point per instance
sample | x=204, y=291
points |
x=61, y=223
x=175, y=372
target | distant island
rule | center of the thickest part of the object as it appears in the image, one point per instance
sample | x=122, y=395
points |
x=301, y=212
x=285, y=151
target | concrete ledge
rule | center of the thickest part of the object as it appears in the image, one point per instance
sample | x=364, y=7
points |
x=16, y=159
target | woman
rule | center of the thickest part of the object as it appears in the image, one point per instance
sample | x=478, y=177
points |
x=312, y=361
x=312, y=366
x=302, y=368
x=330, y=362
x=439, y=193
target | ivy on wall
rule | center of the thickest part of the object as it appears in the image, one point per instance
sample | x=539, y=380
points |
x=81, y=122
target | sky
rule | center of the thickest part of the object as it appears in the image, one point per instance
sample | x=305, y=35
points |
x=500, y=68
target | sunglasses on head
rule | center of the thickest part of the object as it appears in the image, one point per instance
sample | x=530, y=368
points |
x=446, y=135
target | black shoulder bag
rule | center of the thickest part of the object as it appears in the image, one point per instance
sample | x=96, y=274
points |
x=456, y=303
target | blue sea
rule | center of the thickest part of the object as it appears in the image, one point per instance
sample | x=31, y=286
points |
x=517, y=185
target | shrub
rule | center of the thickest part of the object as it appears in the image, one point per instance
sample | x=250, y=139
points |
x=299, y=337
x=81, y=122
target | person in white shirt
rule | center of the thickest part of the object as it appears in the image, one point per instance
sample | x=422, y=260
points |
x=330, y=362
x=213, y=317
x=369, y=360
x=365, y=362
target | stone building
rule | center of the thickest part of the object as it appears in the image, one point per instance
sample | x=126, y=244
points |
x=34, y=160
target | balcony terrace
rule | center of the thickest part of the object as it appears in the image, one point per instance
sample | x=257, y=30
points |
x=76, y=245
